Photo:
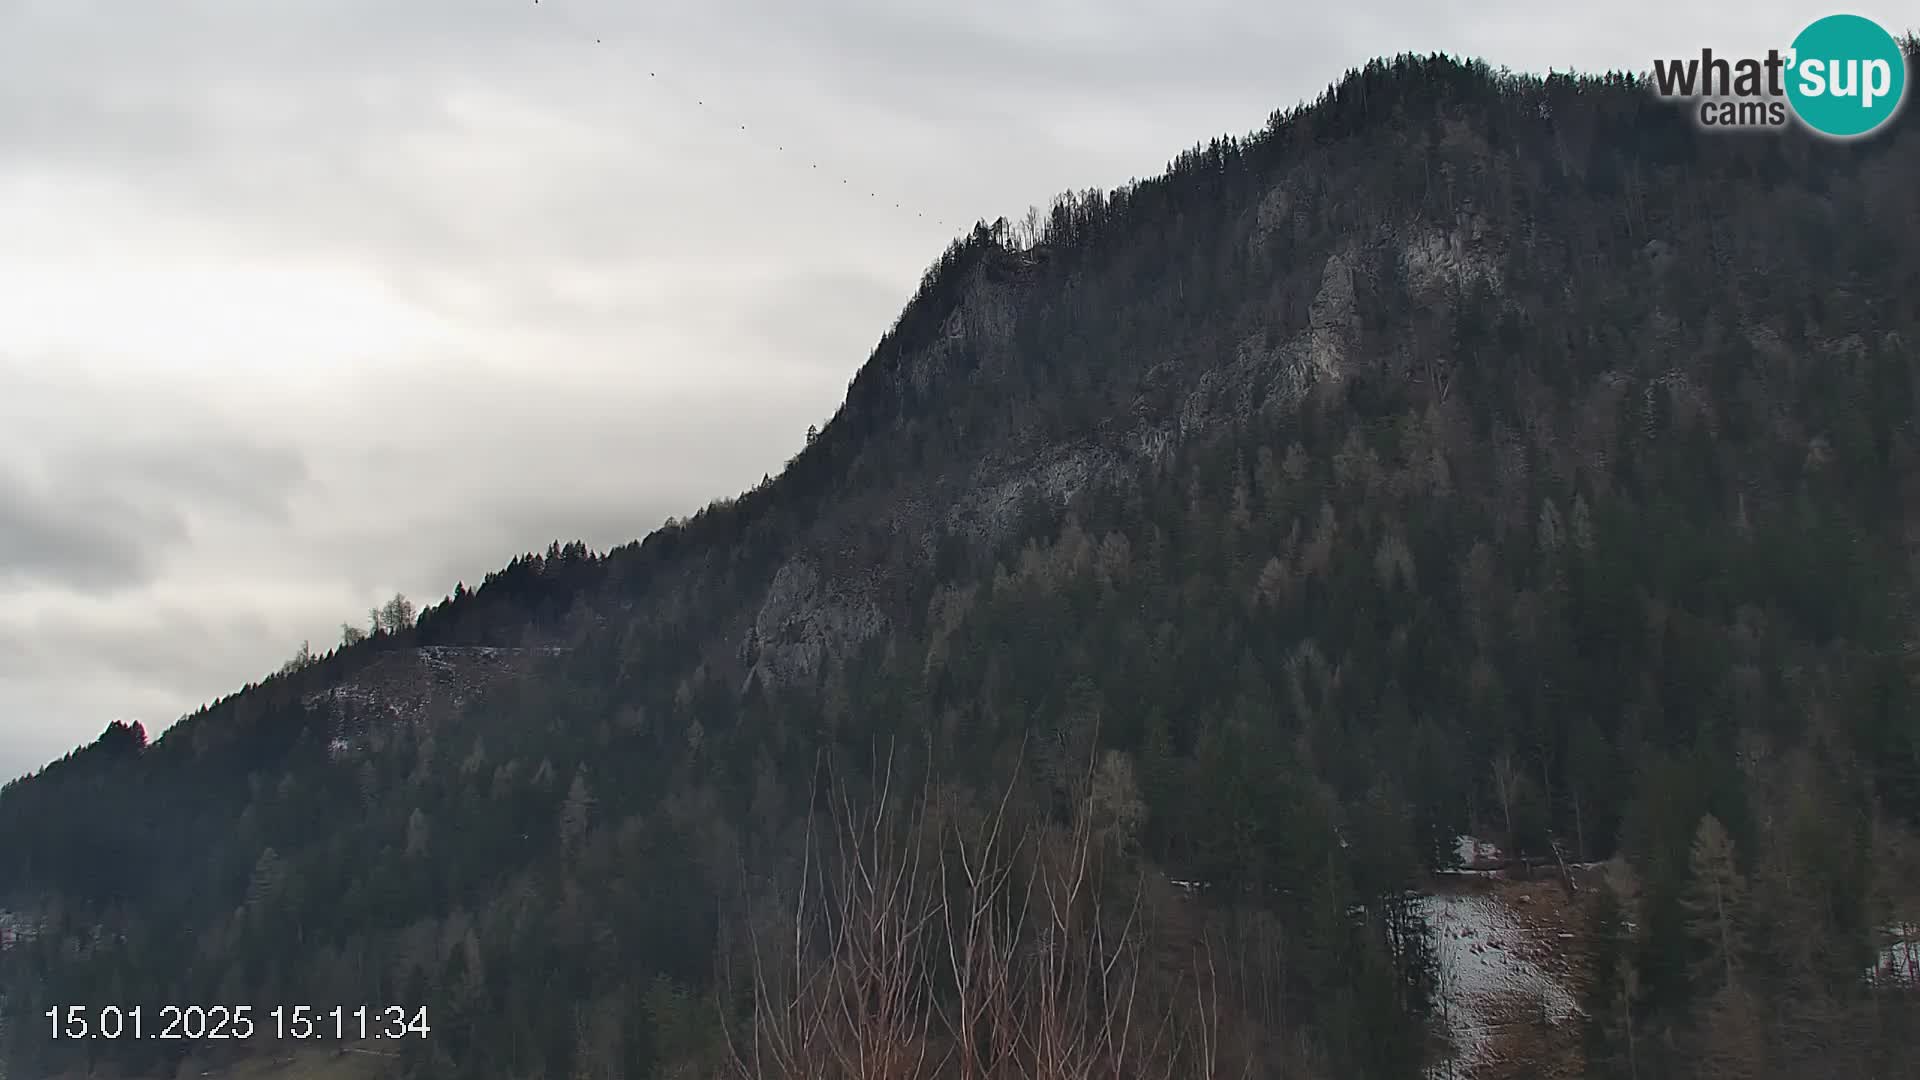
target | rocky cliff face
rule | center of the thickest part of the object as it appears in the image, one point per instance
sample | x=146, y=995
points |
x=816, y=606
x=415, y=687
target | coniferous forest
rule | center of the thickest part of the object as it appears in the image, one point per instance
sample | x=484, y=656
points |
x=1097, y=692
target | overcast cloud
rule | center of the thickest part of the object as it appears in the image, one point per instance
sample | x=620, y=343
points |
x=305, y=302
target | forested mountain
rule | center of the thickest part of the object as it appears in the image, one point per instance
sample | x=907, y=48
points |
x=1461, y=452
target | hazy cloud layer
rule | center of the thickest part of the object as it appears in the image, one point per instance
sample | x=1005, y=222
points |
x=305, y=302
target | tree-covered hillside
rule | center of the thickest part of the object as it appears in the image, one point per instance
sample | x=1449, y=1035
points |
x=1461, y=452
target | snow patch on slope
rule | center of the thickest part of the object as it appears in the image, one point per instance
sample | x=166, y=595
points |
x=1898, y=964
x=1488, y=979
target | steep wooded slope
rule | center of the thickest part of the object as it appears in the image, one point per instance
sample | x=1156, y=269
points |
x=1459, y=451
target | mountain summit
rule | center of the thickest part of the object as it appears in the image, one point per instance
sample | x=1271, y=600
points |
x=1104, y=689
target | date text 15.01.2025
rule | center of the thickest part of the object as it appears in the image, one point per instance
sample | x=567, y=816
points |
x=196, y=1022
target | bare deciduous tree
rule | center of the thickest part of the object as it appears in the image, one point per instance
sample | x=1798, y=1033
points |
x=946, y=939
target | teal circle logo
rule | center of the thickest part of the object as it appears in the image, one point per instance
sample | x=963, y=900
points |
x=1848, y=76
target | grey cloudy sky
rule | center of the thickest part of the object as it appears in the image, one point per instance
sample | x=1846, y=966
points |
x=306, y=301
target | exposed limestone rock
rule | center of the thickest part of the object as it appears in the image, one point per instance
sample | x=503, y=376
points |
x=982, y=321
x=802, y=619
x=1272, y=214
x=994, y=510
x=1435, y=259
x=1332, y=317
x=412, y=686
x=1280, y=374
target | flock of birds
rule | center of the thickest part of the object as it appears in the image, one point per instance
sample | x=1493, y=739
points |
x=778, y=147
